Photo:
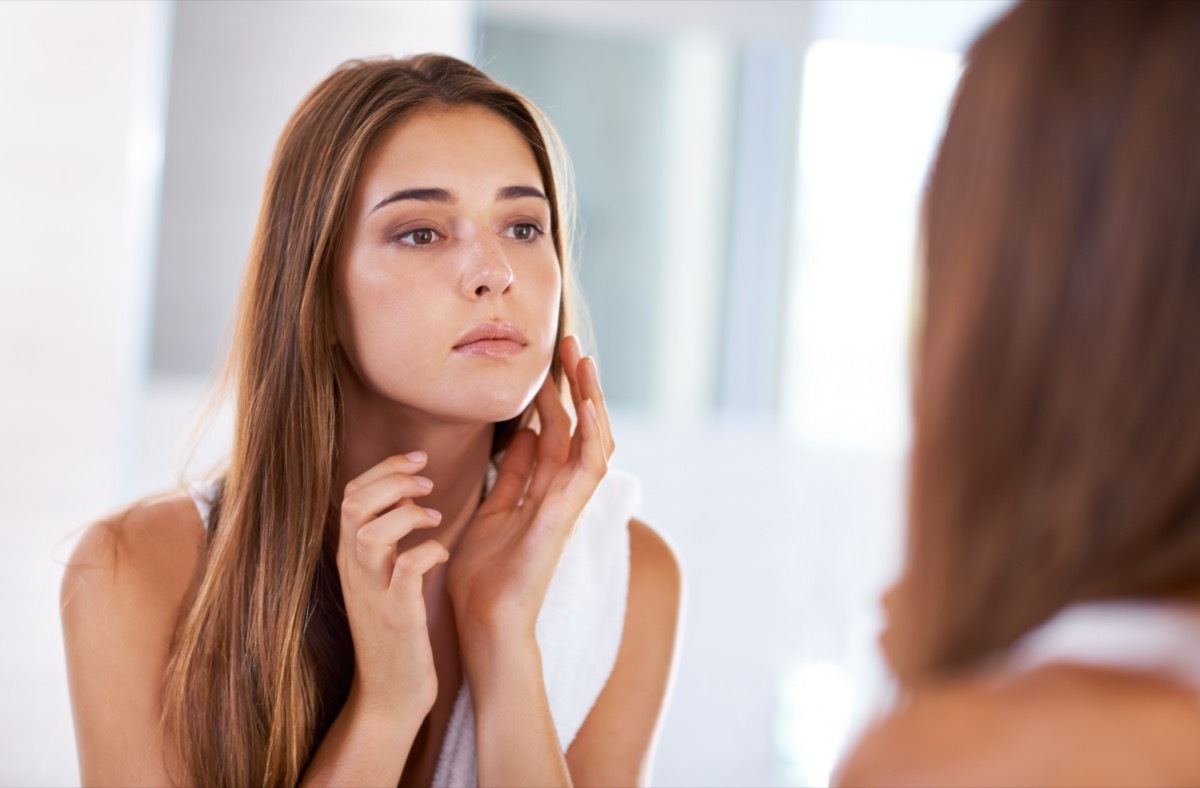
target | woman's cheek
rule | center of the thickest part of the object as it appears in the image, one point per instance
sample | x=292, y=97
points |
x=551, y=296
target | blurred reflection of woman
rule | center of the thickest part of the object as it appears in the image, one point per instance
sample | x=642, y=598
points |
x=362, y=597
x=1047, y=627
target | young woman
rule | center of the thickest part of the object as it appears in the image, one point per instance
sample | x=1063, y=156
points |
x=362, y=597
x=1047, y=626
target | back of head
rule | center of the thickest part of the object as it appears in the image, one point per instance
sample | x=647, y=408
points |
x=1056, y=454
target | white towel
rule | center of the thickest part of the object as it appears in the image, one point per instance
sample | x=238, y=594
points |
x=1144, y=636
x=578, y=630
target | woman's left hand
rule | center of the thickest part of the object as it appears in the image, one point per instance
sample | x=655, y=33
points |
x=500, y=569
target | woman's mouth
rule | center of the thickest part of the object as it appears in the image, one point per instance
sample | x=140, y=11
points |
x=495, y=340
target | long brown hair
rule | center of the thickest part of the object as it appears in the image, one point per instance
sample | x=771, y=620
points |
x=1056, y=453
x=262, y=661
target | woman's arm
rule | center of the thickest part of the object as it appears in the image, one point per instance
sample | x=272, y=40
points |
x=517, y=742
x=365, y=745
x=498, y=577
x=615, y=746
x=122, y=593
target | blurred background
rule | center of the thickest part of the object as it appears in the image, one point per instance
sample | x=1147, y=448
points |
x=748, y=177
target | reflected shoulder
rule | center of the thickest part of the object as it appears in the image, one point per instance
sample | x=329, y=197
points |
x=935, y=740
x=1056, y=725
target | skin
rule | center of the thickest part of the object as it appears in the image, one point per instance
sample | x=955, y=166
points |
x=1059, y=724
x=1056, y=725
x=439, y=587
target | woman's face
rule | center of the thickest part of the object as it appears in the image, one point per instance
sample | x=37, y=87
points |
x=448, y=284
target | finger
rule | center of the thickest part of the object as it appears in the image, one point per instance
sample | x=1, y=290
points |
x=554, y=435
x=409, y=463
x=584, y=384
x=554, y=441
x=571, y=354
x=414, y=562
x=578, y=395
x=594, y=457
x=592, y=463
x=515, y=470
x=571, y=492
x=375, y=542
x=382, y=494
x=571, y=357
x=590, y=385
x=379, y=495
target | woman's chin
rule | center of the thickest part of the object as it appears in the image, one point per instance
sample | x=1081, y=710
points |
x=494, y=407
x=506, y=413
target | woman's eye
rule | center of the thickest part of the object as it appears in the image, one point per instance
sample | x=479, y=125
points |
x=423, y=236
x=524, y=231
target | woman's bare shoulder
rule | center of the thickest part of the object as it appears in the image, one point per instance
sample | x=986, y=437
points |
x=1057, y=725
x=123, y=593
x=654, y=568
x=141, y=558
x=942, y=737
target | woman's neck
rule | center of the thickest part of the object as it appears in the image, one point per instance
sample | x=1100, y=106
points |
x=457, y=465
x=374, y=429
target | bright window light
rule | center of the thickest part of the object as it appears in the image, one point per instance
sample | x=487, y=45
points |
x=871, y=117
x=812, y=718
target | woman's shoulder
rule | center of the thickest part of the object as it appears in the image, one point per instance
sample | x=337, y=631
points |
x=654, y=567
x=123, y=591
x=655, y=600
x=651, y=557
x=139, y=559
x=1059, y=724
x=622, y=722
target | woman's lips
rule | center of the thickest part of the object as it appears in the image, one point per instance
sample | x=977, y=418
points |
x=497, y=348
x=496, y=340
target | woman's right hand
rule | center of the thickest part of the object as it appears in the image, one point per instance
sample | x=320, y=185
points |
x=393, y=663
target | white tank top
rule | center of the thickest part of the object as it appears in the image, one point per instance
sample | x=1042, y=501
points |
x=578, y=630
x=1141, y=636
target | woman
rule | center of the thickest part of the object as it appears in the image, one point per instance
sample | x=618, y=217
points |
x=352, y=602
x=1046, y=629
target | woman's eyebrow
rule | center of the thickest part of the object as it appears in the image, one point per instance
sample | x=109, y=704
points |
x=517, y=192
x=421, y=195
x=433, y=194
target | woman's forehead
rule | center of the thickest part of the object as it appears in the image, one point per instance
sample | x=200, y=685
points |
x=456, y=148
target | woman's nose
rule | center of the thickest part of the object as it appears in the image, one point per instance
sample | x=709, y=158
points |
x=487, y=271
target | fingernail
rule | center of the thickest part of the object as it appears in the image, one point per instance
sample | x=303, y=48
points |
x=591, y=408
x=434, y=513
x=426, y=483
x=417, y=456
